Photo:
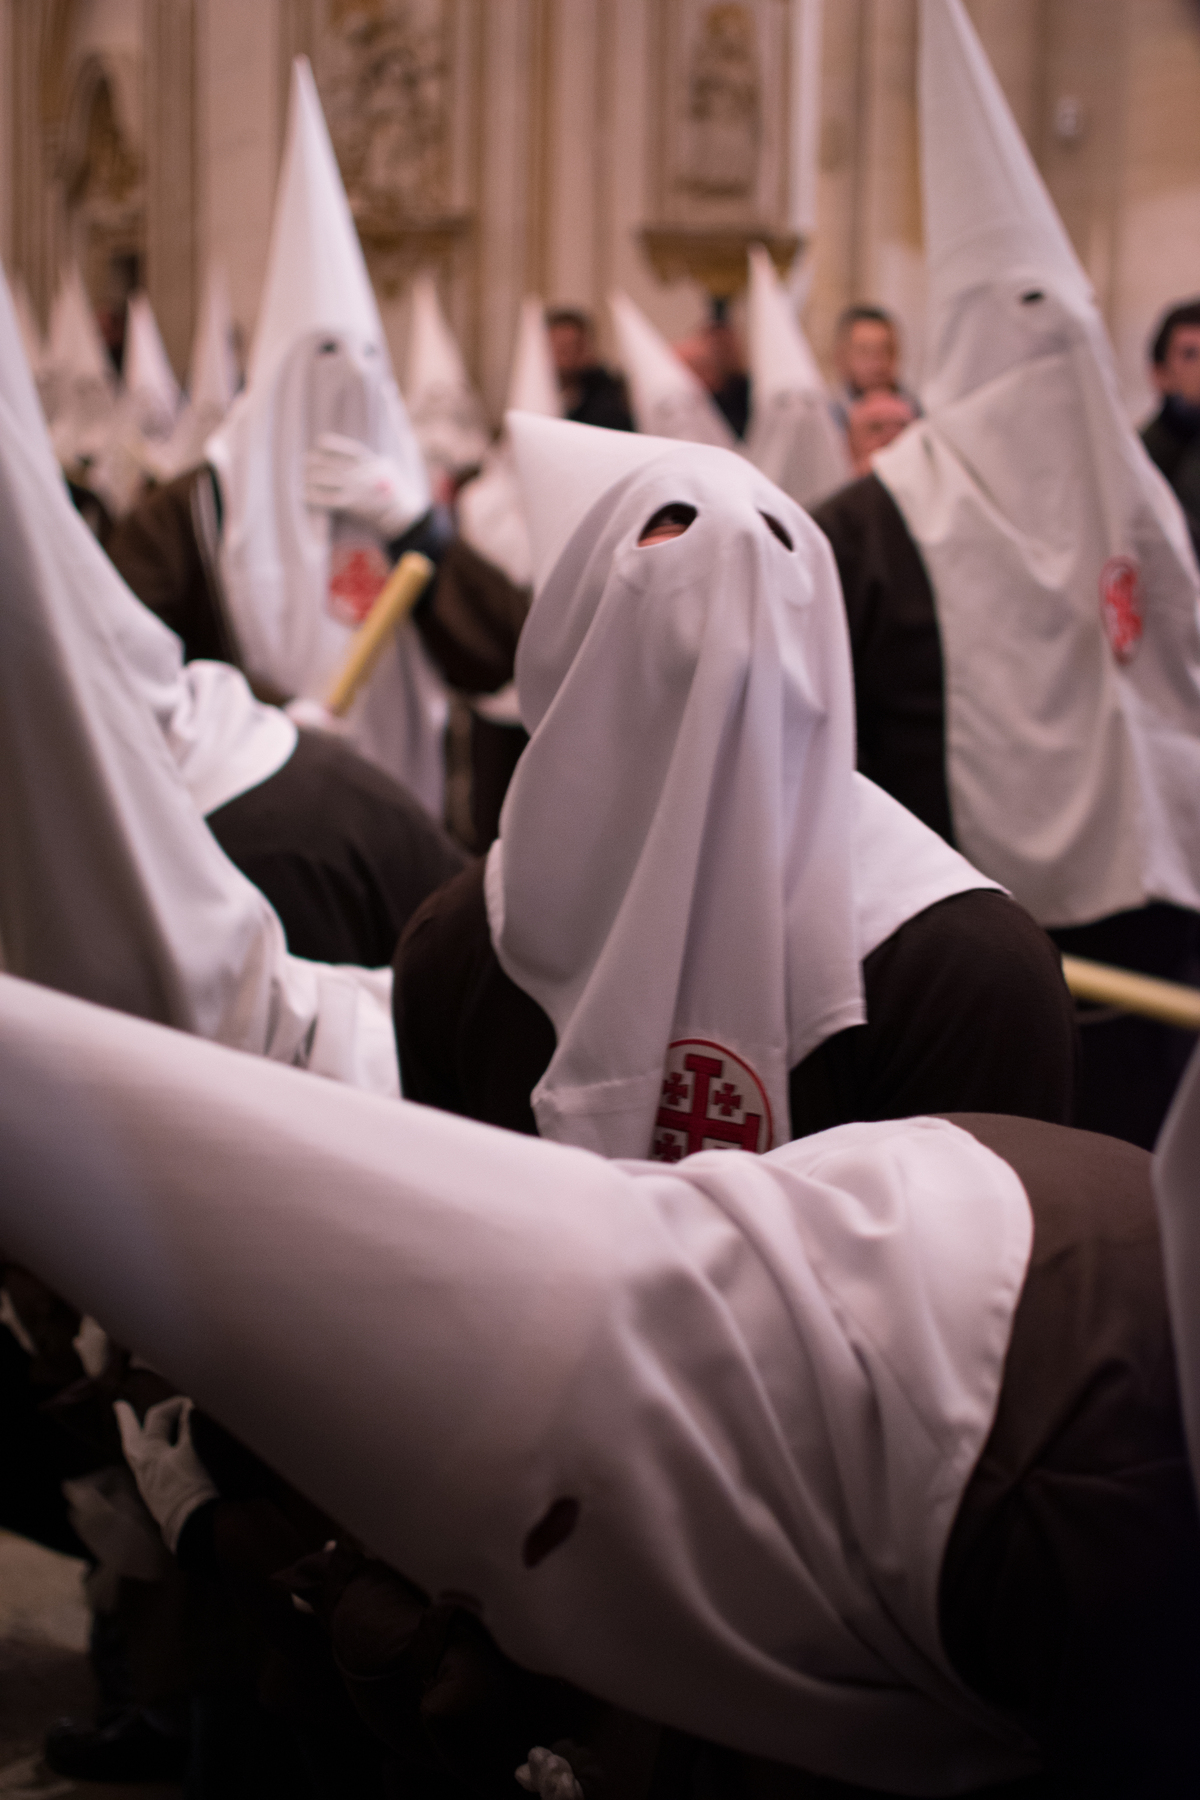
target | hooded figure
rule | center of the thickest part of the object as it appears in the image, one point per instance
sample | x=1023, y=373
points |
x=82, y=389
x=111, y=887
x=138, y=448
x=700, y=1441
x=491, y=517
x=668, y=400
x=688, y=875
x=445, y=410
x=792, y=437
x=343, y=854
x=212, y=377
x=271, y=556
x=1022, y=593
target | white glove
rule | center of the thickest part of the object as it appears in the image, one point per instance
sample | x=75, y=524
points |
x=342, y=475
x=310, y=715
x=549, y=1776
x=170, y=1476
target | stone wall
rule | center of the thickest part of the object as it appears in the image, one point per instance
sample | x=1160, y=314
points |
x=565, y=147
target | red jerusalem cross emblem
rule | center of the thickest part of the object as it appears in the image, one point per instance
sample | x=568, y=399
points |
x=357, y=573
x=711, y=1100
x=1121, y=605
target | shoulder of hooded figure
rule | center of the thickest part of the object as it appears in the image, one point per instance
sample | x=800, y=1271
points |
x=157, y=538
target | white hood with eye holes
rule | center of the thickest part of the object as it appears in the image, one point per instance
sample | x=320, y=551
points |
x=319, y=362
x=688, y=867
x=764, y=1381
x=1067, y=593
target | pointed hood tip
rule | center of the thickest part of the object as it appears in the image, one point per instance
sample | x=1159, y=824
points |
x=317, y=277
x=781, y=360
x=563, y=469
x=987, y=211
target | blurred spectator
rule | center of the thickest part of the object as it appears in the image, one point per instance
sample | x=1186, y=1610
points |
x=592, y=394
x=1173, y=436
x=873, y=422
x=866, y=355
x=714, y=356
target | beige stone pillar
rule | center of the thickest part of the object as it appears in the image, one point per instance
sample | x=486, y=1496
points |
x=169, y=28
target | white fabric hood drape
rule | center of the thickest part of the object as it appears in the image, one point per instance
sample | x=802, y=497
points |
x=446, y=412
x=667, y=398
x=318, y=363
x=765, y=1381
x=212, y=377
x=111, y=886
x=81, y=383
x=675, y=864
x=1065, y=583
x=491, y=511
x=792, y=437
x=222, y=739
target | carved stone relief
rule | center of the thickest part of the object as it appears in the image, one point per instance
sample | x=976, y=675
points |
x=385, y=71
x=718, y=176
x=723, y=105
x=384, y=76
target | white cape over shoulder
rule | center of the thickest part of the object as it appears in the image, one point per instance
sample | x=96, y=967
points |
x=765, y=1380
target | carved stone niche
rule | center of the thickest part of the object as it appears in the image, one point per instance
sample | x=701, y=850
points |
x=384, y=68
x=718, y=146
x=103, y=188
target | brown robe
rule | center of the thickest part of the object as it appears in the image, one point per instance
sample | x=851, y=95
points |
x=167, y=550
x=966, y=1011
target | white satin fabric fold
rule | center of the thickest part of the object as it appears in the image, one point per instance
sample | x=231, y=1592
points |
x=764, y=1380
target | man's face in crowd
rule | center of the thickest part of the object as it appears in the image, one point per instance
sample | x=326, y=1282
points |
x=874, y=422
x=866, y=356
x=1179, y=372
x=571, y=348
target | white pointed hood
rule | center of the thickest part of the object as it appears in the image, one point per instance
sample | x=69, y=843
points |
x=317, y=276
x=668, y=400
x=31, y=331
x=446, y=411
x=298, y=580
x=152, y=392
x=17, y=378
x=1066, y=588
x=1176, y=1180
x=212, y=377
x=677, y=872
x=792, y=437
x=81, y=375
x=491, y=511
x=213, y=374
x=763, y=1382
x=111, y=885
x=221, y=739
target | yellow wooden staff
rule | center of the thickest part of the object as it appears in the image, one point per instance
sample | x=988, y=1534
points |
x=400, y=593
x=1167, y=1001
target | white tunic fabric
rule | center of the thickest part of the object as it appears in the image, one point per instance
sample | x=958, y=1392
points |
x=676, y=857
x=764, y=1380
x=298, y=582
x=111, y=887
x=1067, y=593
x=791, y=436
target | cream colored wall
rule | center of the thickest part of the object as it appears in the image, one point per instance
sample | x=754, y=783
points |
x=556, y=106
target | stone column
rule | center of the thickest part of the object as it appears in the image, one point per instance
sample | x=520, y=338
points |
x=169, y=28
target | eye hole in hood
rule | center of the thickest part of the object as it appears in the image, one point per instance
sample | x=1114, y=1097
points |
x=785, y=537
x=668, y=522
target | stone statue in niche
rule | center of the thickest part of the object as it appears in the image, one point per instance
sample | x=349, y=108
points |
x=722, y=105
x=384, y=81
